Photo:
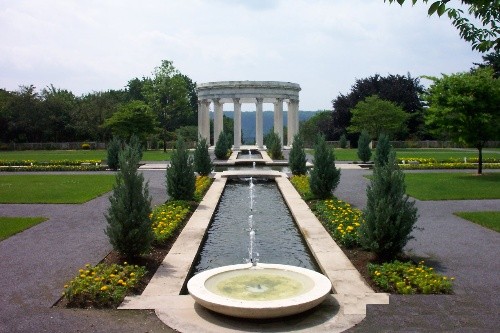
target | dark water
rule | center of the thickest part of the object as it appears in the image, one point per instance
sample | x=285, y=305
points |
x=279, y=168
x=277, y=239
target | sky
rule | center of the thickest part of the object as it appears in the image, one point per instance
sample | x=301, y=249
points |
x=323, y=45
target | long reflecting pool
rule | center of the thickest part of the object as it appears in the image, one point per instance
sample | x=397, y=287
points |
x=277, y=239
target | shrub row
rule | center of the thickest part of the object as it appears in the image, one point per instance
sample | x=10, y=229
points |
x=431, y=166
x=53, y=168
x=45, y=163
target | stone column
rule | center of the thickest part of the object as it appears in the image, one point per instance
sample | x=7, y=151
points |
x=259, y=124
x=293, y=120
x=237, y=123
x=278, y=118
x=218, y=125
x=206, y=119
x=200, y=119
x=203, y=119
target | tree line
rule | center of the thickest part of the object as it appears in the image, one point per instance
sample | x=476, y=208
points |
x=149, y=107
x=400, y=107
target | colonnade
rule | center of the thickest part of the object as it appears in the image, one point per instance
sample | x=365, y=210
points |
x=256, y=92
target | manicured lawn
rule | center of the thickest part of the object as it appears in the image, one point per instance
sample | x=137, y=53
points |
x=490, y=220
x=453, y=186
x=53, y=188
x=12, y=225
x=57, y=155
x=438, y=154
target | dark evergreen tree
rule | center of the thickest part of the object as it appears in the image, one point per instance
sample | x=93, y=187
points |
x=129, y=226
x=181, y=181
x=404, y=91
x=114, y=147
x=273, y=144
x=297, y=157
x=202, y=162
x=383, y=150
x=135, y=143
x=343, y=141
x=389, y=216
x=324, y=176
x=222, y=146
x=364, y=151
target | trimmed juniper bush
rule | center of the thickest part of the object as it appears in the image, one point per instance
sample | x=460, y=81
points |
x=343, y=141
x=202, y=162
x=273, y=144
x=180, y=174
x=297, y=157
x=383, y=150
x=129, y=227
x=222, y=146
x=114, y=147
x=324, y=175
x=136, y=144
x=364, y=151
x=389, y=214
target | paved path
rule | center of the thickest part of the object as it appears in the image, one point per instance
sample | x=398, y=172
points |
x=36, y=263
x=453, y=246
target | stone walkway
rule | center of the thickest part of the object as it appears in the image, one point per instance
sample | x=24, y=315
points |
x=36, y=263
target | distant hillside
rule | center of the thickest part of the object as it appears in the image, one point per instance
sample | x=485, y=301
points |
x=248, y=121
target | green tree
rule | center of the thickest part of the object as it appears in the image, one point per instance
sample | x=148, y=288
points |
x=466, y=108
x=319, y=123
x=129, y=226
x=377, y=116
x=343, y=141
x=389, y=216
x=383, y=150
x=364, y=151
x=58, y=105
x=273, y=144
x=324, y=175
x=222, y=146
x=483, y=35
x=132, y=118
x=297, y=157
x=181, y=180
x=168, y=96
x=202, y=162
x=402, y=90
x=113, y=153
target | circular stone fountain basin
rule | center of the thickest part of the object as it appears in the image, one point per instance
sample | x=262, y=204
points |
x=262, y=291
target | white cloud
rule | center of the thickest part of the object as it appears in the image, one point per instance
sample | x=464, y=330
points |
x=322, y=45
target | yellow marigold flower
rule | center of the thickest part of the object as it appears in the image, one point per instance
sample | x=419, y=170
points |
x=104, y=288
x=82, y=275
x=125, y=263
x=132, y=274
x=66, y=286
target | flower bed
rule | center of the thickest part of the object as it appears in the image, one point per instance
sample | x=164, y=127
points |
x=431, y=166
x=102, y=285
x=166, y=218
x=408, y=278
x=340, y=219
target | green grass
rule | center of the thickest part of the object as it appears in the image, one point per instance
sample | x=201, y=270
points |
x=453, y=186
x=73, y=155
x=490, y=220
x=438, y=154
x=53, y=188
x=12, y=225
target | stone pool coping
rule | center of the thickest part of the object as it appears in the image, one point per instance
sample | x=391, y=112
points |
x=343, y=309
